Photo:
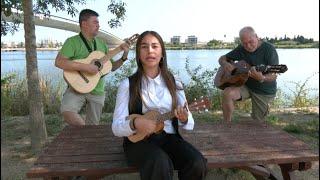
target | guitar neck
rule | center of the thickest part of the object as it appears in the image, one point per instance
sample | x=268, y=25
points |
x=280, y=68
x=111, y=53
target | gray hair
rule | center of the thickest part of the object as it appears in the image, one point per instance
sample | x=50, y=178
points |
x=247, y=29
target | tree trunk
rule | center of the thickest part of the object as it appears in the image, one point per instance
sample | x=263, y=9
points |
x=36, y=115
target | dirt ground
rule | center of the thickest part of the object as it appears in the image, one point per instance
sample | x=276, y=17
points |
x=16, y=158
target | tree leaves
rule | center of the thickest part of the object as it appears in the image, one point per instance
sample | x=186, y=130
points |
x=116, y=7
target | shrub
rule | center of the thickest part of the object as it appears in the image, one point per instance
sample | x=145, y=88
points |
x=14, y=95
x=301, y=94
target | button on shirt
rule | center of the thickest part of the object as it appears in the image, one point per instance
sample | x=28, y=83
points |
x=156, y=96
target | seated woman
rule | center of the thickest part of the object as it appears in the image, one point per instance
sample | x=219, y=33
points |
x=153, y=88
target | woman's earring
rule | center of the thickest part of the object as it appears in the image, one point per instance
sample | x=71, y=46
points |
x=162, y=59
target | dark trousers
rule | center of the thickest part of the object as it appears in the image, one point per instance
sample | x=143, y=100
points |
x=160, y=154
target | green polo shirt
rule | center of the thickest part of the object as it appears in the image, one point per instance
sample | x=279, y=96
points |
x=74, y=48
x=265, y=54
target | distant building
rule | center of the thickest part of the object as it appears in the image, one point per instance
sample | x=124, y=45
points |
x=175, y=40
x=192, y=40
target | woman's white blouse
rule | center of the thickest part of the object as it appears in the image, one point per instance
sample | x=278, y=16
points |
x=156, y=96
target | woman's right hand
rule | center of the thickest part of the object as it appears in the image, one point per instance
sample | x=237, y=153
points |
x=144, y=125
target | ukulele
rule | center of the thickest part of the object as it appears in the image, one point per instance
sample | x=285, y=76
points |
x=83, y=82
x=198, y=105
x=239, y=75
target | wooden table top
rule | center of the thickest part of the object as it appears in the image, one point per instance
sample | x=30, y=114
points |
x=94, y=150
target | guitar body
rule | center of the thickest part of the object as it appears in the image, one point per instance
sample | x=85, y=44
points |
x=151, y=115
x=85, y=82
x=240, y=75
x=237, y=77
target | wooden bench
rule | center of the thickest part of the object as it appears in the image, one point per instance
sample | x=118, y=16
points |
x=94, y=152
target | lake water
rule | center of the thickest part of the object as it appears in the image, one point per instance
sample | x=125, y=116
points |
x=301, y=63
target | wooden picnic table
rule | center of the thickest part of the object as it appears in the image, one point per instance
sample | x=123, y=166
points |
x=93, y=151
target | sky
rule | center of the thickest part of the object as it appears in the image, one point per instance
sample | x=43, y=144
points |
x=206, y=19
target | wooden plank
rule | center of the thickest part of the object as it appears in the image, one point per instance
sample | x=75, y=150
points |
x=221, y=150
x=229, y=161
x=80, y=158
x=80, y=169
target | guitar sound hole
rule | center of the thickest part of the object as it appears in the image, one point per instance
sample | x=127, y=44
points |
x=98, y=64
x=233, y=72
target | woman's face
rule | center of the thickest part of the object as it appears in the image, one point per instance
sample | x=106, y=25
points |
x=150, y=52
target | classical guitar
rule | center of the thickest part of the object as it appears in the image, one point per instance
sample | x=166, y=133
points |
x=239, y=75
x=83, y=82
x=198, y=105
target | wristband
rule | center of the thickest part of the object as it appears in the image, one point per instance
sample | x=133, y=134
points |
x=133, y=125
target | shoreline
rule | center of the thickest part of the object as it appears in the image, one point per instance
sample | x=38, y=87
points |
x=23, y=49
x=168, y=48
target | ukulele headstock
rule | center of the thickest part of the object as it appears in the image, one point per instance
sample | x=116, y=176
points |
x=201, y=104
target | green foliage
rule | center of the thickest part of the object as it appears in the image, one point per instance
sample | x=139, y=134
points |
x=125, y=70
x=118, y=9
x=9, y=7
x=54, y=124
x=14, y=99
x=110, y=100
x=310, y=128
x=281, y=100
x=214, y=42
x=301, y=94
x=201, y=84
x=292, y=128
x=106, y=118
x=286, y=40
x=14, y=95
x=51, y=95
x=243, y=105
x=272, y=119
x=43, y=7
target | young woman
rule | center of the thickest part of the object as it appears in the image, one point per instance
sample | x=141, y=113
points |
x=154, y=88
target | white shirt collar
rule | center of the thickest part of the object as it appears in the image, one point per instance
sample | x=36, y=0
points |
x=157, y=80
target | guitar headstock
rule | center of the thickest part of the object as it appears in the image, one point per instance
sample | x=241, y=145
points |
x=131, y=40
x=201, y=104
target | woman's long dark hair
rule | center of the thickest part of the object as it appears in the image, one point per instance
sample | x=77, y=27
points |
x=165, y=73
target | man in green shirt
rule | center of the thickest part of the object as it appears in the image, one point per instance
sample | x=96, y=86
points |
x=79, y=47
x=261, y=88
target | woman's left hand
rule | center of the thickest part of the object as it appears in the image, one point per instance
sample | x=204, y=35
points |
x=181, y=113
